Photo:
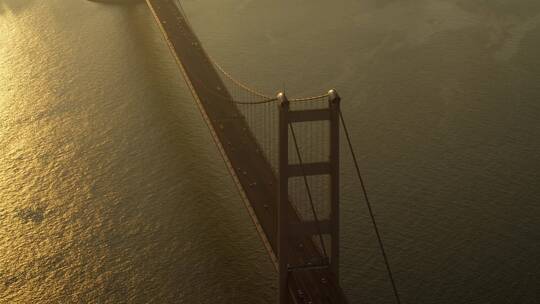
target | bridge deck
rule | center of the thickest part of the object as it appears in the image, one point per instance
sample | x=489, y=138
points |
x=251, y=171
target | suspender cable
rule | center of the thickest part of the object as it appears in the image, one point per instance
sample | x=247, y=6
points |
x=370, y=209
x=317, y=224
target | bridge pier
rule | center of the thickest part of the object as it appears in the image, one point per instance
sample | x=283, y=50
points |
x=290, y=228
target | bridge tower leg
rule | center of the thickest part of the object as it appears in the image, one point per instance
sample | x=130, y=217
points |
x=334, y=106
x=286, y=229
x=283, y=180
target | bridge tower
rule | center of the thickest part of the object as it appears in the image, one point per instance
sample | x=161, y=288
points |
x=289, y=229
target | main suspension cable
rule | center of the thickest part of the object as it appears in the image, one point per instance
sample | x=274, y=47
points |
x=236, y=81
x=267, y=98
x=370, y=209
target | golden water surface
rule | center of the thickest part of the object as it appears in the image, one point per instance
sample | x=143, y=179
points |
x=112, y=191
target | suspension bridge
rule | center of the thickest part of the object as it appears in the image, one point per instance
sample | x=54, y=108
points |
x=283, y=155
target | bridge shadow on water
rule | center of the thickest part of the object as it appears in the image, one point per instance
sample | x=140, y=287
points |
x=230, y=265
